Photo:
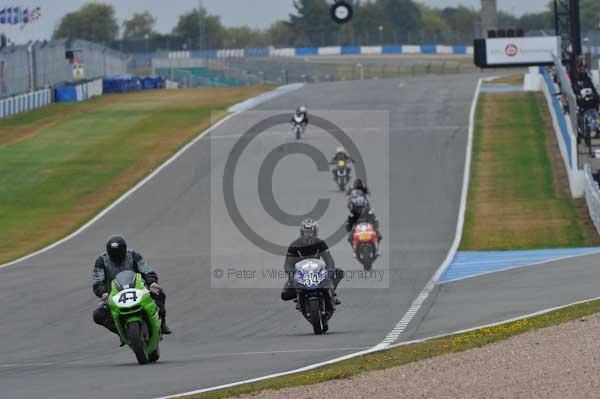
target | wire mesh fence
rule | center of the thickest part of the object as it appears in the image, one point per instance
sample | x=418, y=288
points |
x=44, y=64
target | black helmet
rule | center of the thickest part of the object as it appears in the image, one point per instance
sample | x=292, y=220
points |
x=358, y=183
x=309, y=229
x=116, y=248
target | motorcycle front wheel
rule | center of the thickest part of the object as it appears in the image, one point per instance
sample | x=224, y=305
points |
x=315, y=315
x=154, y=356
x=366, y=257
x=136, y=340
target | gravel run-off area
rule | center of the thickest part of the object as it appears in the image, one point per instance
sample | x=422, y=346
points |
x=556, y=362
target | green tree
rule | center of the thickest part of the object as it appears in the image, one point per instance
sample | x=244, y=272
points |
x=590, y=14
x=537, y=21
x=312, y=23
x=244, y=37
x=461, y=21
x=369, y=17
x=403, y=16
x=435, y=29
x=280, y=34
x=507, y=20
x=140, y=25
x=95, y=22
x=188, y=28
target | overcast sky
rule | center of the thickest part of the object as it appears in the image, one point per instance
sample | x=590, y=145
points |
x=256, y=13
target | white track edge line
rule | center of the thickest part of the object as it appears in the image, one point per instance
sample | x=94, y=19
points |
x=145, y=180
x=498, y=323
x=418, y=302
x=386, y=342
x=122, y=197
x=378, y=348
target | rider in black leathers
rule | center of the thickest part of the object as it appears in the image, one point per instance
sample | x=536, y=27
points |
x=301, y=114
x=358, y=187
x=115, y=260
x=360, y=212
x=308, y=245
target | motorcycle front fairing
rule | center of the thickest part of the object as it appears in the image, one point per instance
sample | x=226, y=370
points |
x=298, y=120
x=312, y=280
x=129, y=301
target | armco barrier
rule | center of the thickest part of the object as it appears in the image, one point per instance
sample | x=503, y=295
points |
x=391, y=50
x=303, y=51
x=25, y=102
x=65, y=94
x=429, y=49
x=331, y=50
x=592, y=196
x=350, y=50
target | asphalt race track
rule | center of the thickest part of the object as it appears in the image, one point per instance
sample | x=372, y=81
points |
x=50, y=347
x=495, y=297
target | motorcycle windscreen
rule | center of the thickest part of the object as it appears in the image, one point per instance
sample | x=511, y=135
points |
x=125, y=279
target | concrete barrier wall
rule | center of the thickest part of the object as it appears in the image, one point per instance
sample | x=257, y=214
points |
x=565, y=135
x=80, y=92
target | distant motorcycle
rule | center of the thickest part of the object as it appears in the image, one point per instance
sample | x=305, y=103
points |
x=355, y=193
x=364, y=244
x=135, y=315
x=298, y=126
x=314, y=293
x=342, y=174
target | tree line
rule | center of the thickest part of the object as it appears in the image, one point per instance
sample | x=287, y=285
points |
x=374, y=22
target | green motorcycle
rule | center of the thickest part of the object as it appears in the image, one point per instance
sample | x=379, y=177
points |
x=136, y=315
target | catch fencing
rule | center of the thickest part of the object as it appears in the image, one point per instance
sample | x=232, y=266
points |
x=43, y=64
x=592, y=196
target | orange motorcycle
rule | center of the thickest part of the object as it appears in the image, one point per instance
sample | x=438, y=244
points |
x=365, y=244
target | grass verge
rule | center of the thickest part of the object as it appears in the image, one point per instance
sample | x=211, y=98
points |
x=411, y=353
x=515, y=80
x=63, y=163
x=516, y=201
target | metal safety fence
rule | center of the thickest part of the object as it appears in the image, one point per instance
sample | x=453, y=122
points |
x=43, y=64
x=592, y=196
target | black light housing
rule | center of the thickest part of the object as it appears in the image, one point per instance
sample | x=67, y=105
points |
x=341, y=11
